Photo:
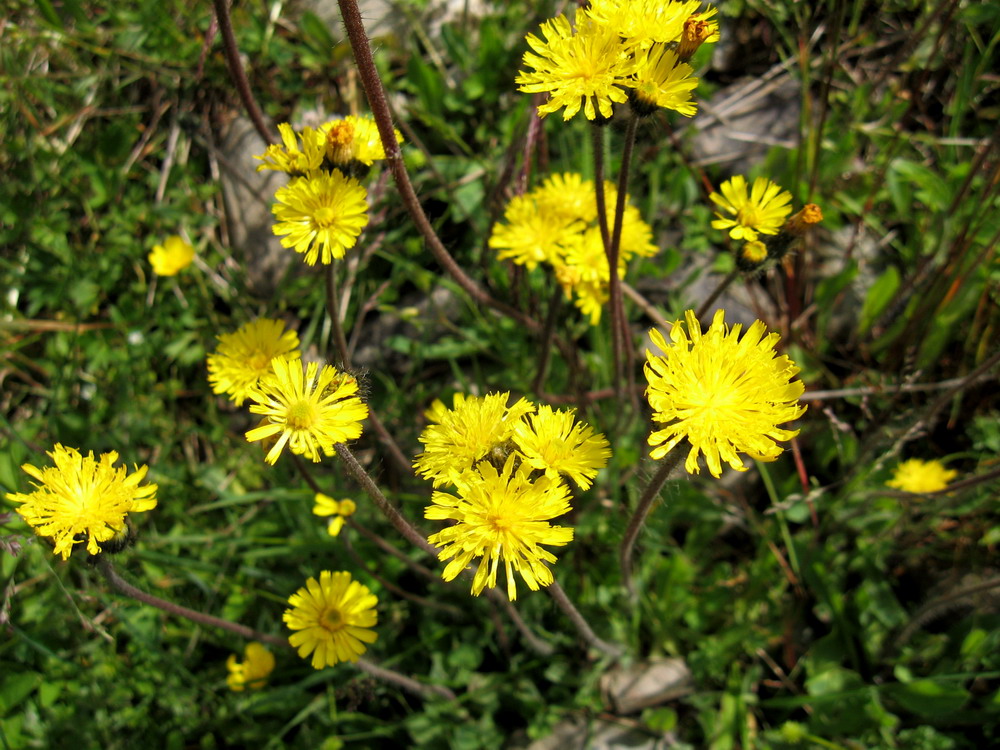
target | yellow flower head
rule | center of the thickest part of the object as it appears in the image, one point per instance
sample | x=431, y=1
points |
x=459, y=437
x=763, y=211
x=172, y=257
x=646, y=22
x=327, y=506
x=82, y=499
x=252, y=673
x=915, y=475
x=723, y=393
x=333, y=618
x=354, y=139
x=586, y=69
x=289, y=157
x=532, y=233
x=309, y=411
x=322, y=215
x=242, y=358
x=661, y=80
x=554, y=442
x=501, y=516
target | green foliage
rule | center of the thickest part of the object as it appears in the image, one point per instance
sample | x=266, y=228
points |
x=814, y=607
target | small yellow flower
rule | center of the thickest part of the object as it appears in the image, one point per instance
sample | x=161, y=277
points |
x=243, y=357
x=763, y=211
x=310, y=412
x=501, y=516
x=587, y=68
x=354, y=139
x=327, y=506
x=289, y=157
x=252, y=673
x=554, y=442
x=333, y=618
x=915, y=475
x=722, y=393
x=645, y=22
x=172, y=257
x=661, y=80
x=459, y=437
x=322, y=215
x=82, y=499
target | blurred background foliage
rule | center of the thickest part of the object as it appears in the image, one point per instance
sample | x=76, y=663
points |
x=814, y=606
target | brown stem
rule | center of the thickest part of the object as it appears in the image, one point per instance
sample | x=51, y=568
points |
x=652, y=491
x=619, y=327
x=723, y=285
x=236, y=71
x=394, y=158
x=126, y=588
x=597, y=141
x=555, y=591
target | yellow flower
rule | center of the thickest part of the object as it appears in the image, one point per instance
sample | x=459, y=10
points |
x=724, y=394
x=501, y=517
x=172, y=257
x=554, y=442
x=333, y=617
x=322, y=213
x=646, y=22
x=243, y=357
x=587, y=68
x=531, y=234
x=288, y=157
x=354, y=139
x=327, y=506
x=468, y=432
x=763, y=211
x=309, y=412
x=252, y=673
x=915, y=475
x=82, y=499
x=662, y=81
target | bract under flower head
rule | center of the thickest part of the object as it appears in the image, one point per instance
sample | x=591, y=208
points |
x=585, y=68
x=459, y=437
x=916, y=475
x=762, y=211
x=723, y=393
x=501, y=517
x=82, y=499
x=309, y=412
x=243, y=357
x=332, y=618
x=322, y=215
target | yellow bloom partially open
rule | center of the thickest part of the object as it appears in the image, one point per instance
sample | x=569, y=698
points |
x=915, y=475
x=172, y=257
x=252, y=672
x=722, y=393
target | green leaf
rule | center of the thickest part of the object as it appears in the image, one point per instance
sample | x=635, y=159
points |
x=929, y=697
x=879, y=297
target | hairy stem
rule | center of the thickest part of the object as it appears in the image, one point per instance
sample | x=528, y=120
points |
x=583, y=628
x=387, y=675
x=624, y=356
x=236, y=71
x=394, y=158
x=652, y=491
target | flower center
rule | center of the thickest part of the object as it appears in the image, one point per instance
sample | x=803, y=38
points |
x=324, y=216
x=258, y=362
x=748, y=216
x=301, y=415
x=332, y=620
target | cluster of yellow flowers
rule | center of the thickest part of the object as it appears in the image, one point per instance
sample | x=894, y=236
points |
x=635, y=50
x=557, y=224
x=505, y=464
x=322, y=210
